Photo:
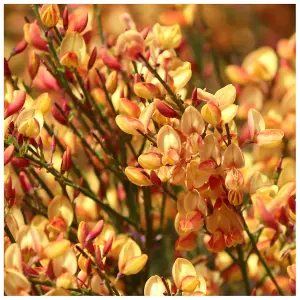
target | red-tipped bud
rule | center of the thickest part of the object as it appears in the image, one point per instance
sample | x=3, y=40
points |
x=97, y=229
x=166, y=110
x=50, y=271
x=20, y=47
x=107, y=245
x=16, y=105
x=82, y=232
x=53, y=144
x=66, y=19
x=25, y=183
x=81, y=22
x=58, y=116
x=20, y=163
x=66, y=163
x=92, y=58
x=8, y=154
x=7, y=71
x=109, y=60
x=33, y=64
x=154, y=178
x=147, y=54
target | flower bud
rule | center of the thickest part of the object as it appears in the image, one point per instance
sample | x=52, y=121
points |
x=138, y=176
x=66, y=18
x=16, y=104
x=131, y=260
x=98, y=257
x=146, y=90
x=108, y=245
x=58, y=116
x=25, y=183
x=50, y=15
x=130, y=44
x=9, y=190
x=81, y=22
x=92, y=58
x=20, y=162
x=154, y=178
x=109, y=60
x=20, y=47
x=96, y=231
x=112, y=82
x=8, y=154
x=129, y=124
x=165, y=109
x=33, y=64
x=235, y=197
x=256, y=123
x=129, y=108
x=150, y=160
x=66, y=163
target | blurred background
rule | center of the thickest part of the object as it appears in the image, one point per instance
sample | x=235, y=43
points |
x=235, y=29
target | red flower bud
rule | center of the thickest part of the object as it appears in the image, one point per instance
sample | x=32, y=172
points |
x=58, y=116
x=66, y=19
x=107, y=245
x=20, y=138
x=20, y=47
x=92, y=58
x=66, y=163
x=109, y=60
x=145, y=32
x=9, y=190
x=154, y=178
x=19, y=162
x=16, y=105
x=8, y=154
x=97, y=229
x=81, y=22
x=25, y=183
x=33, y=64
x=292, y=204
x=166, y=110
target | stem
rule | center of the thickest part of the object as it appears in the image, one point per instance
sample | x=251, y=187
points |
x=262, y=260
x=165, y=85
x=243, y=268
x=9, y=234
x=99, y=23
x=228, y=134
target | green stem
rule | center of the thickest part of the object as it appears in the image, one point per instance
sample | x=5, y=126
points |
x=9, y=234
x=99, y=23
x=243, y=268
x=261, y=258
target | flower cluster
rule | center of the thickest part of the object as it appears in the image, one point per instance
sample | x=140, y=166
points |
x=108, y=144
